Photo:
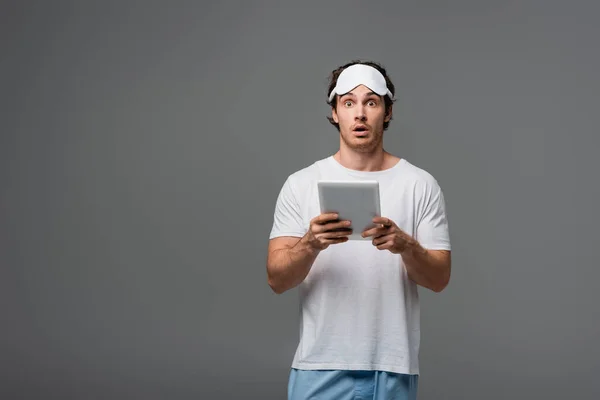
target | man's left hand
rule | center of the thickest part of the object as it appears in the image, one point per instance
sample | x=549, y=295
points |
x=388, y=236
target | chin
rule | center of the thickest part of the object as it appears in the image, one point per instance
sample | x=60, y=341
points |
x=362, y=145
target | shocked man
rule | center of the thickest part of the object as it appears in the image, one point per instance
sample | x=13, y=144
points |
x=360, y=315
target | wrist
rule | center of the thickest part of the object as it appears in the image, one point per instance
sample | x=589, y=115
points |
x=308, y=245
x=412, y=248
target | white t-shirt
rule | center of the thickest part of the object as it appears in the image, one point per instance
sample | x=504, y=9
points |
x=359, y=309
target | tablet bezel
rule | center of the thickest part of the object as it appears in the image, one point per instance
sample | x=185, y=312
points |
x=332, y=195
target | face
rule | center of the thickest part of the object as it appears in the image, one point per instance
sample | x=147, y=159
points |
x=361, y=114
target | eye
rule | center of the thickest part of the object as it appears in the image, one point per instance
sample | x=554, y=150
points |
x=372, y=103
x=347, y=103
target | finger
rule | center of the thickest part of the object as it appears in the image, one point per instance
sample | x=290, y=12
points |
x=336, y=234
x=326, y=217
x=330, y=226
x=338, y=225
x=368, y=233
x=330, y=241
x=337, y=240
x=375, y=232
x=386, y=222
x=383, y=232
x=385, y=246
x=383, y=239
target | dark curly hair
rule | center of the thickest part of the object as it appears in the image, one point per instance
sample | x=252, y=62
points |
x=333, y=77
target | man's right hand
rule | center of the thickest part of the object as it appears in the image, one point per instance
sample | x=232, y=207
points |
x=290, y=259
x=326, y=229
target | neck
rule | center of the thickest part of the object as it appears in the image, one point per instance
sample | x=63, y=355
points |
x=376, y=160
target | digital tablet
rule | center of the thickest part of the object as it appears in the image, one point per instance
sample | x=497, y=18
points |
x=357, y=201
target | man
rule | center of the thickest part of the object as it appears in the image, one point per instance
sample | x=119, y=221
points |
x=359, y=320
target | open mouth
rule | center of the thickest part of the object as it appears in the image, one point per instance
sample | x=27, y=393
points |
x=360, y=130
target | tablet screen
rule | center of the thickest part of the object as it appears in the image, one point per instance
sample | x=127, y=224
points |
x=357, y=201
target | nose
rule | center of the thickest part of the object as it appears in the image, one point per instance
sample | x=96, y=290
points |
x=360, y=113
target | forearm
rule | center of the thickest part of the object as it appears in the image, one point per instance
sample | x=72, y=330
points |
x=428, y=268
x=288, y=267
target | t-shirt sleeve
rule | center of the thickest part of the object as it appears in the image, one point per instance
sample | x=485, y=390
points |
x=287, y=219
x=432, y=229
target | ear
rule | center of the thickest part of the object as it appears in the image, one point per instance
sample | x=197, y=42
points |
x=388, y=115
x=334, y=115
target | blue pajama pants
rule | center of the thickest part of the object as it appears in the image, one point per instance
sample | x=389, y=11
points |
x=351, y=385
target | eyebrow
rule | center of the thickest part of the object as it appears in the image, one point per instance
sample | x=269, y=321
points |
x=371, y=93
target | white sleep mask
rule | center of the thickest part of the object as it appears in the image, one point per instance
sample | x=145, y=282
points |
x=360, y=74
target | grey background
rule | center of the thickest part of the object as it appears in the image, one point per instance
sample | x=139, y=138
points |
x=143, y=145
